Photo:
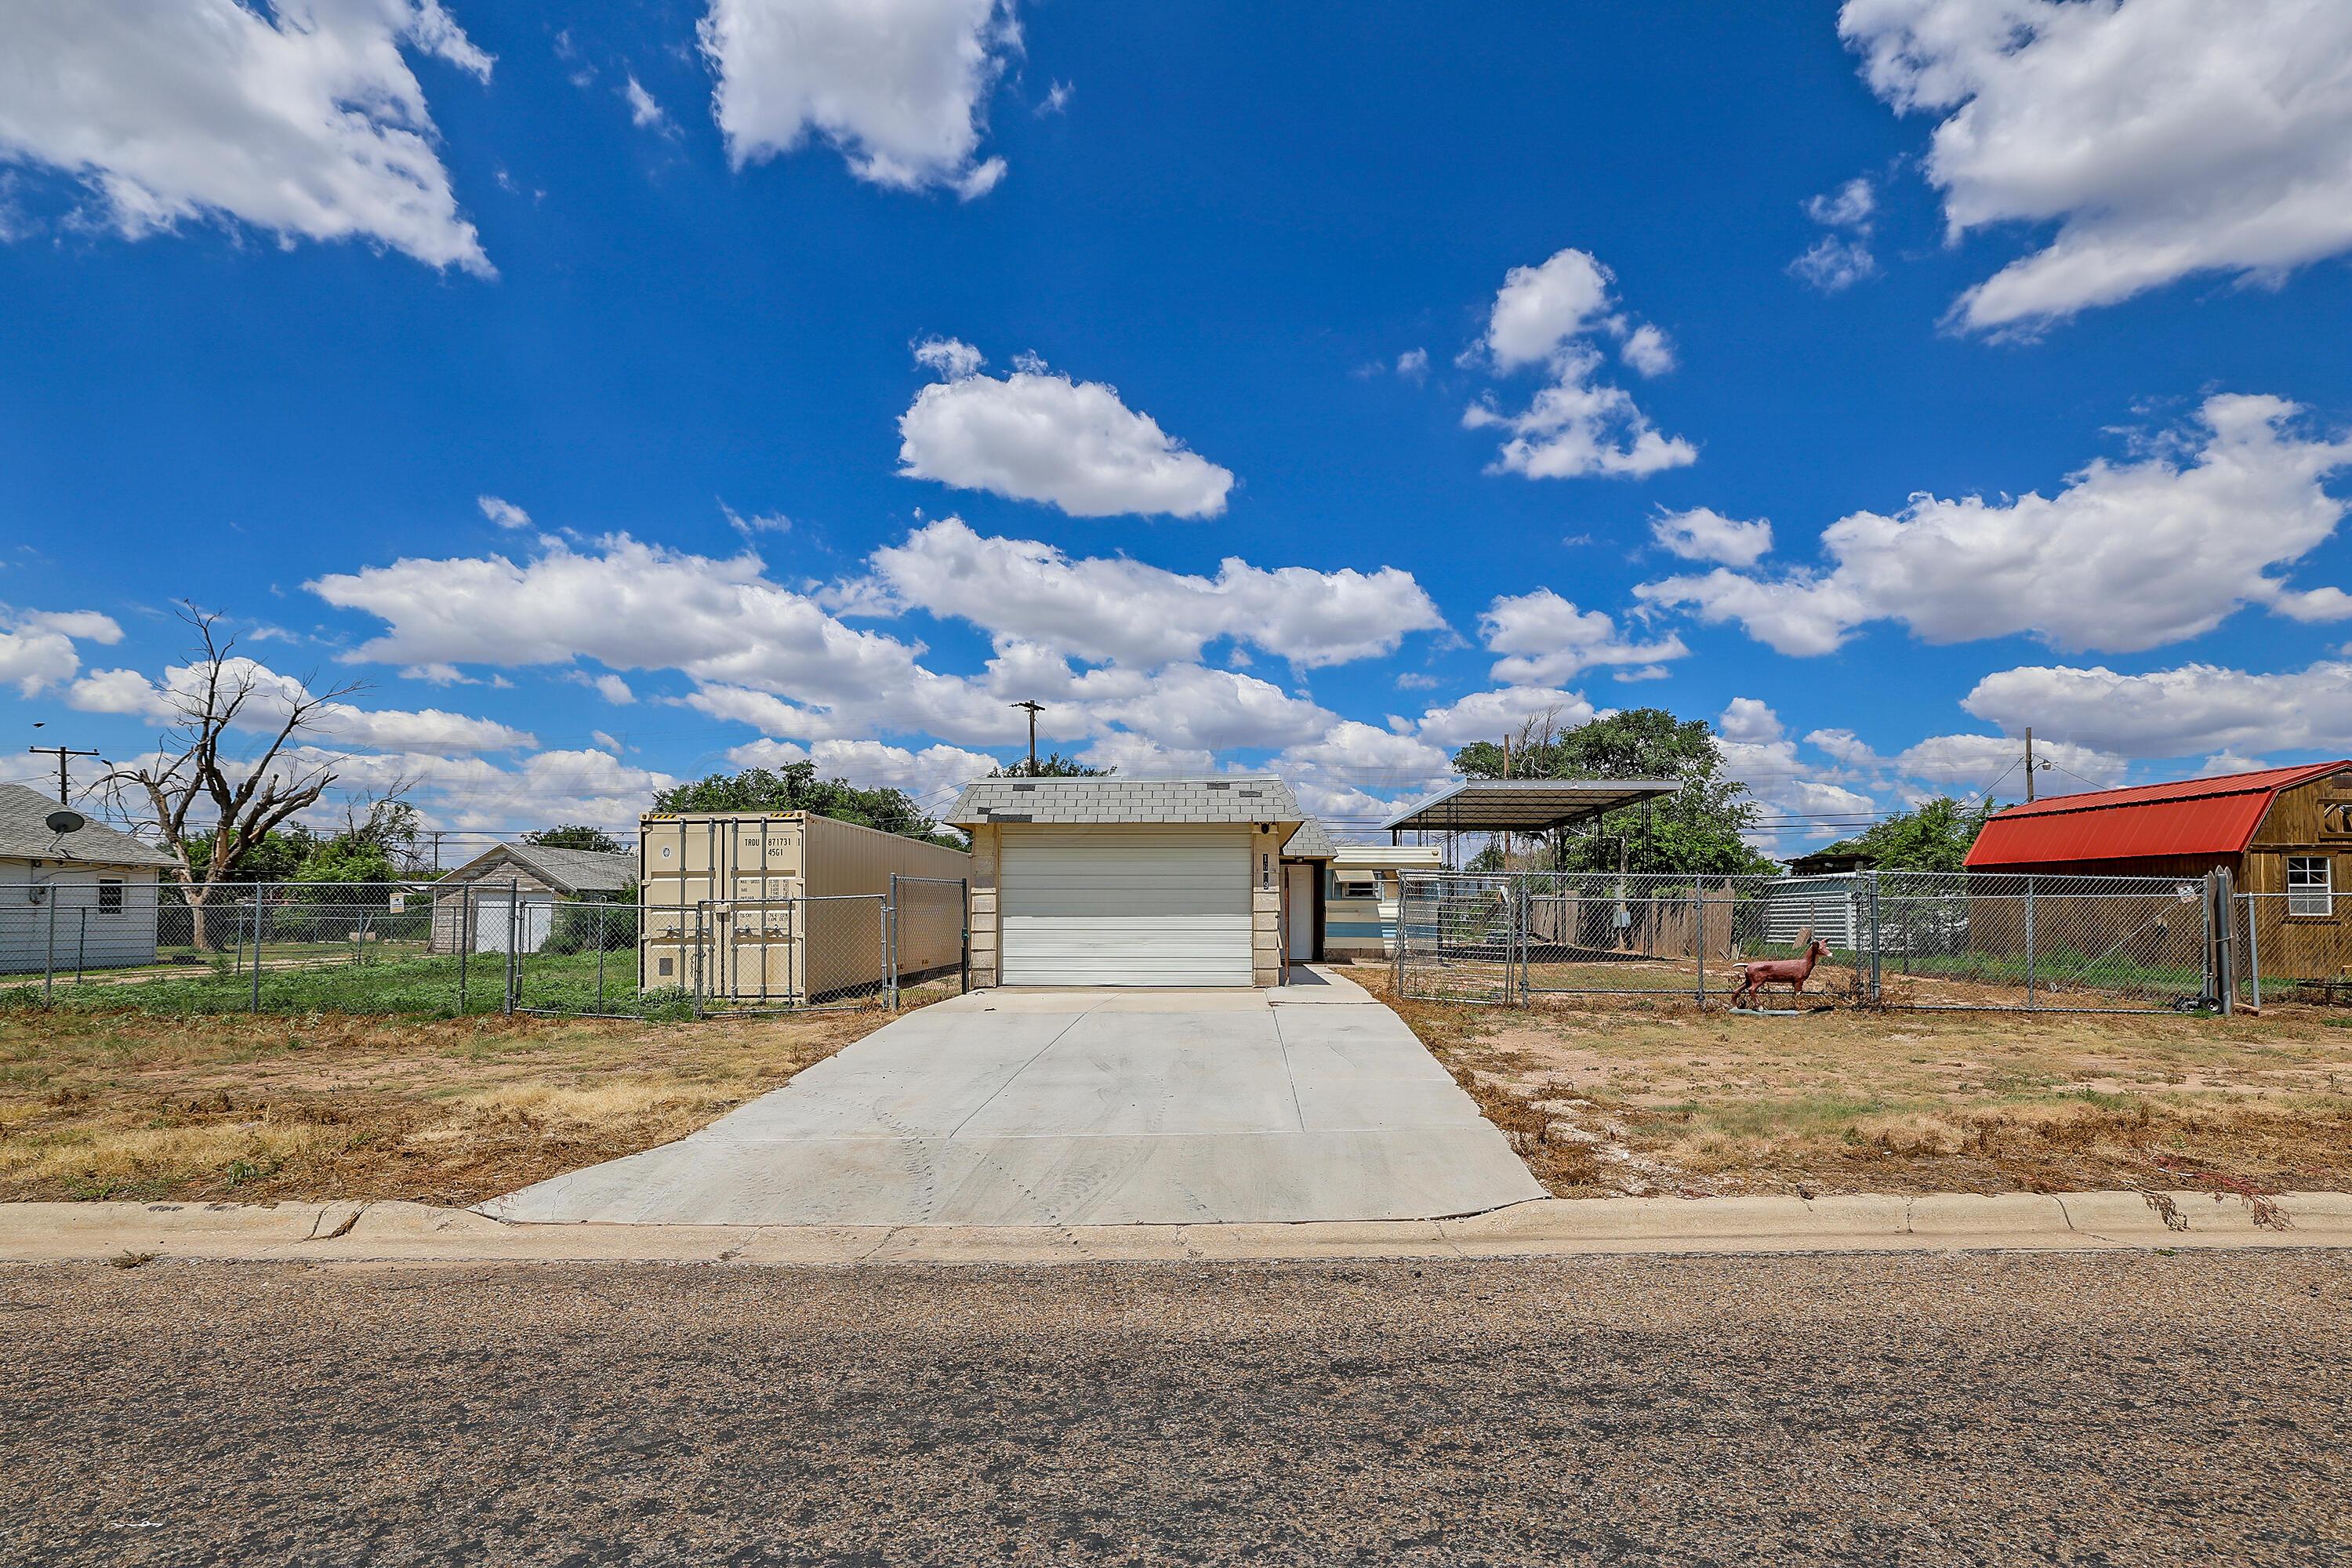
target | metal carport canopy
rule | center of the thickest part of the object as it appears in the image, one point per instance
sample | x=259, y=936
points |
x=1524, y=805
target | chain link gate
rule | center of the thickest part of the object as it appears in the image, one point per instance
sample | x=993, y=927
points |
x=1914, y=939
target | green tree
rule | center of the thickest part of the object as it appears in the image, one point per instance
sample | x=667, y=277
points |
x=575, y=837
x=796, y=787
x=275, y=856
x=378, y=837
x=1698, y=830
x=1933, y=837
x=1053, y=765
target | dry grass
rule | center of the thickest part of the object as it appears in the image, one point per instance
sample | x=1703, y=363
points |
x=132, y=1106
x=1622, y=1097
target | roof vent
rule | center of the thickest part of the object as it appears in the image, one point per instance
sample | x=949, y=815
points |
x=1024, y=789
x=1218, y=784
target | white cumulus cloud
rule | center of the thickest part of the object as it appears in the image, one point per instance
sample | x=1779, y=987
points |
x=2127, y=556
x=1704, y=534
x=37, y=647
x=1545, y=639
x=2161, y=138
x=303, y=119
x=1038, y=436
x=2174, y=713
x=899, y=87
x=1122, y=610
x=1553, y=315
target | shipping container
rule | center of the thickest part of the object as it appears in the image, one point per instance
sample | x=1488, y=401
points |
x=788, y=907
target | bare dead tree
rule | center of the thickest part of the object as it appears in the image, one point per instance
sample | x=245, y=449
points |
x=196, y=785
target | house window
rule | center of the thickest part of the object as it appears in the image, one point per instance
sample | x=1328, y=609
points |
x=1365, y=886
x=2309, y=889
x=109, y=897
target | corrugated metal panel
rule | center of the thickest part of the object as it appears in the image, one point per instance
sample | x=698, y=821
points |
x=1126, y=906
x=761, y=857
x=2194, y=816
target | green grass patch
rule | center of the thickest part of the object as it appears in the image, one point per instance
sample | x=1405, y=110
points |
x=426, y=987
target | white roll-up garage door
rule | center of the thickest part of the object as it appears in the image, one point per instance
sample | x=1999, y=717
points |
x=1125, y=906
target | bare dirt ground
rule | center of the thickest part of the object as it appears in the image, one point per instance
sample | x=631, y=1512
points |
x=127, y=1105
x=1932, y=1411
x=1629, y=1095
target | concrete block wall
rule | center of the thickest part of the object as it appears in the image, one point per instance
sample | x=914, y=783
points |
x=1265, y=907
x=984, y=930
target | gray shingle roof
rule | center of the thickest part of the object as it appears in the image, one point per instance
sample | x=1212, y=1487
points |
x=1116, y=800
x=567, y=870
x=1313, y=841
x=25, y=836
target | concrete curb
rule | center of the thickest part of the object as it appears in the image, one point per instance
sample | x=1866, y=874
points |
x=419, y=1232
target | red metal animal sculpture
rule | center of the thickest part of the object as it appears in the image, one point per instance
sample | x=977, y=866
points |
x=1791, y=972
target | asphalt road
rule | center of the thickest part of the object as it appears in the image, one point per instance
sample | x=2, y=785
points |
x=1921, y=1410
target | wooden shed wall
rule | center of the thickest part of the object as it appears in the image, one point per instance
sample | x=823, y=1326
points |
x=2313, y=818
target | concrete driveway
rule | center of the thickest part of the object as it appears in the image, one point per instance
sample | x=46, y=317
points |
x=1044, y=1108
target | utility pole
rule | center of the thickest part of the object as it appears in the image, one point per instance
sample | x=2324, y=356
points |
x=2029, y=765
x=1035, y=709
x=61, y=754
x=1507, y=756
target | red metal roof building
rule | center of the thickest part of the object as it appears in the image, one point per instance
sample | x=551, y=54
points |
x=2283, y=834
x=2215, y=821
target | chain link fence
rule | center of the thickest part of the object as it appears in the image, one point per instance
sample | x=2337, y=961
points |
x=425, y=949
x=2285, y=947
x=1921, y=940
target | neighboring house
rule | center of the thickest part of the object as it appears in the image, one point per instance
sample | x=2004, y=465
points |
x=787, y=907
x=1365, y=894
x=83, y=899
x=1835, y=861
x=508, y=894
x=1110, y=881
x=2283, y=832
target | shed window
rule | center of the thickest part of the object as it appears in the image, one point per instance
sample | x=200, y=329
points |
x=109, y=897
x=2310, y=889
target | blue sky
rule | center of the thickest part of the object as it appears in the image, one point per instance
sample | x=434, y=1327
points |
x=1477, y=339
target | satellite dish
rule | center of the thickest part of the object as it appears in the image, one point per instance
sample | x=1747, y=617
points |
x=62, y=822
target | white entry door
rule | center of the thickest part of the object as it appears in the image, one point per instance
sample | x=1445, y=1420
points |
x=1299, y=909
x=1124, y=906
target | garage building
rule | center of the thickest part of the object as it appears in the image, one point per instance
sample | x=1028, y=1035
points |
x=1107, y=881
x=510, y=892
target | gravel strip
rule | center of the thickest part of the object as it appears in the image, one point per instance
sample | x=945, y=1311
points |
x=1931, y=1409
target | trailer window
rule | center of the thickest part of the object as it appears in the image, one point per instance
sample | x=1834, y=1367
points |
x=109, y=897
x=2310, y=888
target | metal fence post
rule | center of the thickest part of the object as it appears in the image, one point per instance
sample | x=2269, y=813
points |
x=701, y=913
x=2254, y=952
x=600, y=958
x=49, y=963
x=963, y=901
x=1699, y=937
x=2029, y=941
x=2225, y=941
x=1877, y=943
x=890, y=946
x=514, y=912
x=465, y=941
x=260, y=890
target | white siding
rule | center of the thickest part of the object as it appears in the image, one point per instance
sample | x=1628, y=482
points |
x=70, y=926
x=1125, y=906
